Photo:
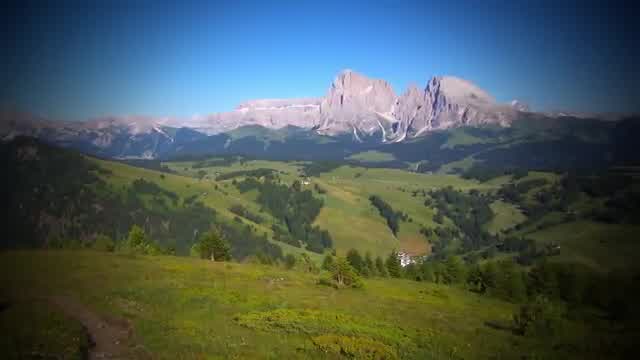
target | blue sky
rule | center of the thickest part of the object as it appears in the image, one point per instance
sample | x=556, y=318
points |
x=77, y=60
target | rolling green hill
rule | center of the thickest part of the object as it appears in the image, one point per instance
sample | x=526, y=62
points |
x=487, y=245
x=190, y=196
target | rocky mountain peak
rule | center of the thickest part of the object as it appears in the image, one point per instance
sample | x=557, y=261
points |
x=354, y=104
x=446, y=102
x=519, y=105
x=459, y=90
x=353, y=90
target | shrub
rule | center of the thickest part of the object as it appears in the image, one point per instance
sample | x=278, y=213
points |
x=137, y=242
x=289, y=261
x=328, y=263
x=354, y=347
x=103, y=243
x=538, y=318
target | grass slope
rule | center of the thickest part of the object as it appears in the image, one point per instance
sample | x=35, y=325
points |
x=603, y=247
x=372, y=156
x=506, y=217
x=347, y=213
x=355, y=223
x=186, y=308
x=205, y=190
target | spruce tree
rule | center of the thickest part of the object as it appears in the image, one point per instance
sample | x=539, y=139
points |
x=355, y=260
x=213, y=246
x=393, y=265
x=381, y=268
x=369, y=265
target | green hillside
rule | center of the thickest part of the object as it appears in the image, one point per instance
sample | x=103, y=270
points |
x=184, y=308
x=172, y=206
x=506, y=264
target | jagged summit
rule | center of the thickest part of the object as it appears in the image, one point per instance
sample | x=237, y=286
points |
x=352, y=102
x=365, y=108
x=460, y=90
x=519, y=105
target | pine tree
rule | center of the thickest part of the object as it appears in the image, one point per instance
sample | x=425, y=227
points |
x=454, y=270
x=328, y=263
x=344, y=274
x=393, y=265
x=138, y=242
x=476, y=280
x=355, y=260
x=427, y=270
x=213, y=246
x=381, y=268
x=369, y=265
x=510, y=282
x=137, y=237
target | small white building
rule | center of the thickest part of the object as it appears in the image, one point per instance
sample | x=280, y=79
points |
x=405, y=259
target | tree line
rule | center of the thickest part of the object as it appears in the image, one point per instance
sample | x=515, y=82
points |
x=392, y=217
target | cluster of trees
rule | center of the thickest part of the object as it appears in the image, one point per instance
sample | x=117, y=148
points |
x=621, y=202
x=528, y=250
x=296, y=210
x=247, y=173
x=548, y=198
x=245, y=213
x=136, y=242
x=621, y=207
x=386, y=211
x=348, y=271
x=246, y=242
x=315, y=168
x=538, y=288
x=342, y=274
x=441, y=238
x=221, y=161
x=151, y=164
x=622, y=199
x=367, y=266
x=513, y=192
x=142, y=186
x=61, y=201
x=468, y=211
x=484, y=173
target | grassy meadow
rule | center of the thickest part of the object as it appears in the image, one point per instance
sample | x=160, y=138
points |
x=185, y=308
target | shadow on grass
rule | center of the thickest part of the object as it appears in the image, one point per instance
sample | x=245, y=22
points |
x=500, y=325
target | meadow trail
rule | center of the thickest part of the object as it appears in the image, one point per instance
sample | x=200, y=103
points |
x=109, y=337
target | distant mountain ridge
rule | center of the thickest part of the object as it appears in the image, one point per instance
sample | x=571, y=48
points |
x=361, y=106
x=357, y=107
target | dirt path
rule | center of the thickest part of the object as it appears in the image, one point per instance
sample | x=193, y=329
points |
x=109, y=337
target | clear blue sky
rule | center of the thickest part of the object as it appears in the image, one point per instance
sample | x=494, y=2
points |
x=76, y=61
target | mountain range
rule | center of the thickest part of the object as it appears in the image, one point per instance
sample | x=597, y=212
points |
x=356, y=110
